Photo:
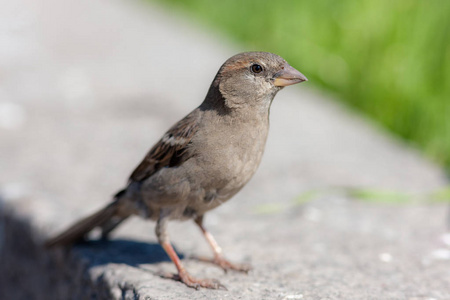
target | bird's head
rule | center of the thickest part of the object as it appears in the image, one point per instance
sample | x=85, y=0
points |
x=253, y=79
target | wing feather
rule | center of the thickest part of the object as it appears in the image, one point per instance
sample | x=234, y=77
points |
x=170, y=150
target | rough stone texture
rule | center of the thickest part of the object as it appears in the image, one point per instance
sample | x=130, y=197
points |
x=86, y=88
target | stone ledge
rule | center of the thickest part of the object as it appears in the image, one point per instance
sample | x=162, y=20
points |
x=332, y=248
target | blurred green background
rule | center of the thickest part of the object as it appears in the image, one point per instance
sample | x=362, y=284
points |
x=388, y=59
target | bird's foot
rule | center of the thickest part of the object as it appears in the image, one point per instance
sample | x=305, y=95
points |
x=226, y=265
x=197, y=283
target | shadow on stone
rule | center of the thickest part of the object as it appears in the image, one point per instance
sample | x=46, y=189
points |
x=119, y=251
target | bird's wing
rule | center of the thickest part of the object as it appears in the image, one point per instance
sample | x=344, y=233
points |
x=170, y=150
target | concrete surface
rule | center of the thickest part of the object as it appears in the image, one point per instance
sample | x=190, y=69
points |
x=88, y=86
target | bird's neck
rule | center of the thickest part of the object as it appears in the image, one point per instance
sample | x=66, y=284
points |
x=215, y=101
x=236, y=108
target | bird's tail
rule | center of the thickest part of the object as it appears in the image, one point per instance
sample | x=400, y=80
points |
x=82, y=227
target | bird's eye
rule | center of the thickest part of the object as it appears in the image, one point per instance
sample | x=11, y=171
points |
x=256, y=68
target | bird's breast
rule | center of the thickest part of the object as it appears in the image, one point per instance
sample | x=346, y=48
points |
x=231, y=153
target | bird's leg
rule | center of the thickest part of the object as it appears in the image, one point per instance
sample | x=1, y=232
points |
x=219, y=259
x=183, y=275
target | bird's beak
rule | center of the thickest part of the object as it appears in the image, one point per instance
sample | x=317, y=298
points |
x=287, y=76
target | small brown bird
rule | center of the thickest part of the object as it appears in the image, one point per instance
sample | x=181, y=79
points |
x=201, y=161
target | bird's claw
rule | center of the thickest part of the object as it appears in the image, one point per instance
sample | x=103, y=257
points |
x=197, y=283
x=227, y=265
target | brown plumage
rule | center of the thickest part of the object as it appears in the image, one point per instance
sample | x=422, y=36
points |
x=201, y=161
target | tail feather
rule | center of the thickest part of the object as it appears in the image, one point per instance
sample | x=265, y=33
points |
x=82, y=227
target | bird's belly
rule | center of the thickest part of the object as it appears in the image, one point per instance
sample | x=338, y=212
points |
x=191, y=190
x=224, y=179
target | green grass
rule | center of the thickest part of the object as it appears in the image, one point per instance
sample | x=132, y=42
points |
x=389, y=59
x=381, y=196
x=441, y=195
x=365, y=195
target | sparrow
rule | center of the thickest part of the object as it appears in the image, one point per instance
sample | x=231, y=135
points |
x=201, y=161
